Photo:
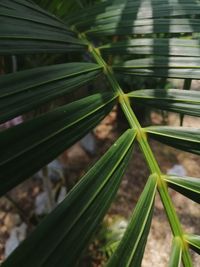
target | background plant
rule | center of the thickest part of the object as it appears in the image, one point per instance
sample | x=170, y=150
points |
x=154, y=39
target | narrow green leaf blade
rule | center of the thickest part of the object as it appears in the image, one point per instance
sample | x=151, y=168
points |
x=131, y=248
x=145, y=27
x=176, y=252
x=22, y=91
x=129, y=17
x=172, y=67
x=194, y=242
x=56, y=237
x=31, y=145
x=184, y=138
x=26, y=28
x=154, y=46
x=181, y=101
x=188, y=186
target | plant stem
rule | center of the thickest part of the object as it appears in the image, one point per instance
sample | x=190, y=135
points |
x=146, y=149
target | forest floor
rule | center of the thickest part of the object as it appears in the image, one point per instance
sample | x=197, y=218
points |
x=18, y=205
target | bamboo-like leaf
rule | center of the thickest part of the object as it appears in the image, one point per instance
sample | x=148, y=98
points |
x=173, y=67
x=188, y=186
x=194, y=242
x=181, y=101
x=131, y=248
x=154, y=46
x=77, y=217
x=187, y=139
x=176, y=252
x=25, y=90
x=26, y=28
x=46, y=136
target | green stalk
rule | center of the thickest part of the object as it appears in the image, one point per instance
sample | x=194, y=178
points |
x=146, y=149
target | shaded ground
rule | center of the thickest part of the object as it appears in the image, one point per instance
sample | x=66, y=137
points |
x=77, y=161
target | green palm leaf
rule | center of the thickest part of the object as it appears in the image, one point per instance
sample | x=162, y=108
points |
x=194, y=242
x=154, y=46
x=187, y=139
x=173, y=67
x=181, y=101
x=107, y=17
x=73, y=219
x=26, y=28
x=131, y=248
x=146, y=27
x=25, y=90
x=46, y=136
x=188, y=186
